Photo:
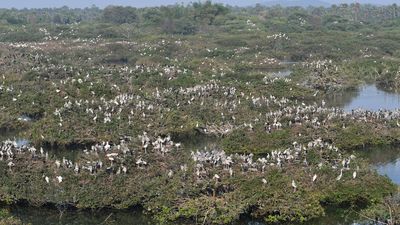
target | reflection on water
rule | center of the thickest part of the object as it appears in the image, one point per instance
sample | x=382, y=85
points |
x=58, y=152
x=25, y=118
x=277, y=72
x=336, y=216
x=199, y=142
x=14, y=136
x=392, y=170
x=282, y=73
x=368, y=97
x=45, y=216
x=386, y=160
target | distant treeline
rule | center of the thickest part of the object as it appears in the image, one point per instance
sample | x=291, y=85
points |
x=189, y=19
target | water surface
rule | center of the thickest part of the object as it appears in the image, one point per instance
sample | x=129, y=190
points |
x=386, y=160
x=14, y=136
x=46, y=216
x=368, y=97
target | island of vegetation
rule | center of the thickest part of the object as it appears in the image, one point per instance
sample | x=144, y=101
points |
x=198, y=113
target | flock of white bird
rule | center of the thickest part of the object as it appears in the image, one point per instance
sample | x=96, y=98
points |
x=206, y=162
x=145, y=107
x=111, y=158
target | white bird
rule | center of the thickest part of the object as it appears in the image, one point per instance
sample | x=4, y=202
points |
x=314, y=178
x=124, y=169
x=294, y=185
x=264, y=181
x=47, y=179
x=340, y=175
x=60, y=179
x=107, y=146
x=76, y=169
x=170, y=173
x=354, y=174
x=112, y=155
x=10, y=164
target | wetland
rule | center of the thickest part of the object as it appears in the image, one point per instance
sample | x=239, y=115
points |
x=200, y=114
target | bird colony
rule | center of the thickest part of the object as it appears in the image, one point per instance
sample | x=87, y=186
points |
x=130, y=120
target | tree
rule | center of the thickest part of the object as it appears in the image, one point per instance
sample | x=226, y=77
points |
x=120, y=15
x=57, y=19
x=207, y=12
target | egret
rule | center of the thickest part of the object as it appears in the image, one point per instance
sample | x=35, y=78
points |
x=340, y=175
x=314, y=178
x=170, y=173
x=294, y=185
x=10, y=164
x=58, y=163
x=264, y=181
x=124, y=169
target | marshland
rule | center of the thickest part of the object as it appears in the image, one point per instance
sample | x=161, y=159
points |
x=200, y=114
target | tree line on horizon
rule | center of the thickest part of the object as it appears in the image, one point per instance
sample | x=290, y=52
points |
x=195, y=17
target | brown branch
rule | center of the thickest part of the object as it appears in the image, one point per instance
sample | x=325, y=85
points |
x=108, y=217
x=368, y=218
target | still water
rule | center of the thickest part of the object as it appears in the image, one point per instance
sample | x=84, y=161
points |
x=282, y=73
x=368, y=97
x=45, y=216
x=386, y=160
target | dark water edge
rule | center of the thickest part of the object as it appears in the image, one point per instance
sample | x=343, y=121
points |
x=50, y=216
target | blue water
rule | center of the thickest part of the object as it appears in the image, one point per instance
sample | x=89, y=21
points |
x=282, y=73
x=368, y=97
x=386, y=160
x=392, y=170
x=6, y=135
